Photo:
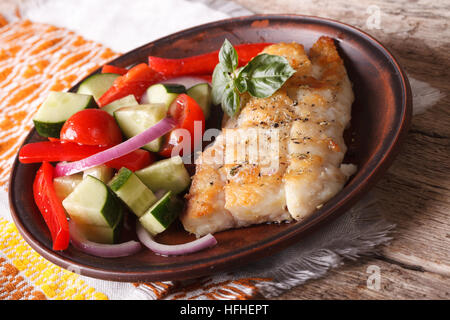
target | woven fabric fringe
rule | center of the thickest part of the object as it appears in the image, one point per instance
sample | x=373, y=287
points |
x=424, y=95
x=357, y=233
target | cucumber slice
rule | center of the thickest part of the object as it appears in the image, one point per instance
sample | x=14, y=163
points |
x=164, y=93
x=159, y=217
x=130, y=189
x=127, y=101
x=201, y=93
x=167, y=174
x=107, y=235
x=134, y=120
x=92, y=203
x=97, y=84
x=66, y=184
x=57, y=108
x=102, y=173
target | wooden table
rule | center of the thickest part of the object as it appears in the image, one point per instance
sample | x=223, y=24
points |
x=415, y=193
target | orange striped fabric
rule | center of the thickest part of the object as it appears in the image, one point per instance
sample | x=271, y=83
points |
x=13, y=286
x=34, y=59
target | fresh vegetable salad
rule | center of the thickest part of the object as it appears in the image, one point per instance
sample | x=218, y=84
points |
x=113, y=149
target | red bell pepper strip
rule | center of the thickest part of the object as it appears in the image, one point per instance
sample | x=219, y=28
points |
x=52, y=151
x=56, y=151
x=113, y=69
x=133, y=161
x=51, y=207
x=135, y=81
x=201, y=64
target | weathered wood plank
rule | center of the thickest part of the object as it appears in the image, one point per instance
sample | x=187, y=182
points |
x=415, y=195
x=350, y=282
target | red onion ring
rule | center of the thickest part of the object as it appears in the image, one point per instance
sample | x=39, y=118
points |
x=136, y=142
x=172, y=250
x=101, y=249
x=186, y=81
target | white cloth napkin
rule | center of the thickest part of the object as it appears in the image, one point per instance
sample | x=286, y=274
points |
x=123, y=25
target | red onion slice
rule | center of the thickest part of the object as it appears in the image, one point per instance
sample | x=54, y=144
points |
x=186, y=81
x=173, y=250
x=136, y=142
x=101, y=249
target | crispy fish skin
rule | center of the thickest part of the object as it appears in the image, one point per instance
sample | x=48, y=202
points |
x=308, y=114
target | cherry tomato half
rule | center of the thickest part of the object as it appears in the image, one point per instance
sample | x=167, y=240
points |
x=186, y=112
x=133, y=161
x=93, y=127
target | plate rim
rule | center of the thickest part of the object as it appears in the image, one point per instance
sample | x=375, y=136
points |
x=271, y=245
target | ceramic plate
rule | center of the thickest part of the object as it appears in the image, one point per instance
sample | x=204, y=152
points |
x=380, y=119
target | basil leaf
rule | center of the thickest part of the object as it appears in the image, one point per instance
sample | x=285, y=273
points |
x=240, y=82
x=230, y=100
x=261, y=77
x=228, y=56
x=220, y=80
x=265, y=74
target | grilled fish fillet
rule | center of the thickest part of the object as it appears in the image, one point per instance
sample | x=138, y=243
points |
x=297, y=135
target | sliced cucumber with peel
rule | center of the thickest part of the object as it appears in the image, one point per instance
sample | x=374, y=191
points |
x=130, y=189
x=66, y=184
x=57, y=108
x=164, y=93
x=168, y=174
x=97, y=84
x=101, y=172
x=107, y=235
x=136, y=119
x=93, y=203
x=201, y=93
x=127, y=101
x=161, y=215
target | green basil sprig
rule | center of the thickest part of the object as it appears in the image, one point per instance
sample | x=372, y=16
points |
x=261, y=77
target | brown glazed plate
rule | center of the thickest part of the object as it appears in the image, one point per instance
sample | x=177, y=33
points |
x=381, y=116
